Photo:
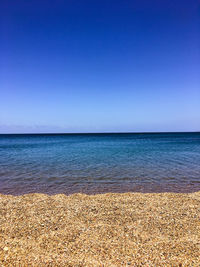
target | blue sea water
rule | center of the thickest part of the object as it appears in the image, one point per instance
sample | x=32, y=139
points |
x=96, y=163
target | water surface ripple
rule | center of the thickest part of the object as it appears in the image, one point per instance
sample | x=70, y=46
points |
x=96, y=163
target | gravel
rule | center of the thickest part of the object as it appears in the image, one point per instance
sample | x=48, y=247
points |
x=129, y=229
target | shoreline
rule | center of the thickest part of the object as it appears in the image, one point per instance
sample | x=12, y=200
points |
x=114, y=229
x=95, y=190
x=100, y=193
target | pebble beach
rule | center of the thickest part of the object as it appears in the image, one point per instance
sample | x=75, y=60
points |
x=113, y=229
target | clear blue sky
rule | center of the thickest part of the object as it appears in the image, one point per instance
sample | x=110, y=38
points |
x=99, y=66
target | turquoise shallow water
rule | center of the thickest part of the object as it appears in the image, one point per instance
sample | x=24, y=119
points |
x=96, y=163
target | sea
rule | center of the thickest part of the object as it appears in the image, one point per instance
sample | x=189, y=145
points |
x=99, y=163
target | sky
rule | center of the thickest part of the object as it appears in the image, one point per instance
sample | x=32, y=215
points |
x=99, y=66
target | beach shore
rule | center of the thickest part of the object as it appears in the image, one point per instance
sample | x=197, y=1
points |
x=129, y=229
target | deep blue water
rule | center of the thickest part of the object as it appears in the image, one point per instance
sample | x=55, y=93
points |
x=95, y=163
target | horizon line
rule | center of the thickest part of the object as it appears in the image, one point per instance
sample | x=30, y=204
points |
x=68, y=133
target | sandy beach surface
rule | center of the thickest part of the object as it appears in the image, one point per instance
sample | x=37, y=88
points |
x=130, y=229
